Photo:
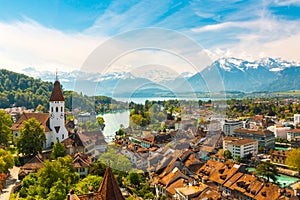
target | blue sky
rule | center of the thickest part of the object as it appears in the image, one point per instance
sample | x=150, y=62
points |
x=47, y=34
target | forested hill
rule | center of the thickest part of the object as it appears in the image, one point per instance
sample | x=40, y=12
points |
x=21, y=90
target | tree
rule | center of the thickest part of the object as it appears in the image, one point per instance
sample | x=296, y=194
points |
x=267, y=171
x=121, y=131
x=32, y=138
x=115, y=160
x=97, y=168
x=6, y=161
x=101, y=122
x=293, y=159
x=58, y=191
x=58, y=150
x=5, y=124
x=82, y=187
x=61, y=169
x=134, y=179
x=227, y=154
x=238, y=159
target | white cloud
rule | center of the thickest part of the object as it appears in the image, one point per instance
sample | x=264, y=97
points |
x=29, y=44
x=287, y=2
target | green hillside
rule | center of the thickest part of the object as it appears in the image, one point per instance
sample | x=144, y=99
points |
x=21, y=90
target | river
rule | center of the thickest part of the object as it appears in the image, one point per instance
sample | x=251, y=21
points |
x=113, y=121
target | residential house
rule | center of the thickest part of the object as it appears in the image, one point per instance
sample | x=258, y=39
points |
x=82, y=163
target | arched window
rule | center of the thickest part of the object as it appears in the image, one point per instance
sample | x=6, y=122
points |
x=56, y=109
x=51, y=109
x=61, y=109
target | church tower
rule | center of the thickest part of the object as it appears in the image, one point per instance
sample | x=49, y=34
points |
x=57, y=116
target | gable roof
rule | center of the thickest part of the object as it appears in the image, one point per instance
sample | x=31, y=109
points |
x=109, y=188
x=56, y=94
x=81, y=160
x=42, y=118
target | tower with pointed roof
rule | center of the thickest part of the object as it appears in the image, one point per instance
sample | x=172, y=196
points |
x=57, y=116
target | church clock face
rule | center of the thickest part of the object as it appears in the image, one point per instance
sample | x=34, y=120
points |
x=61, y=116
x=52, y=115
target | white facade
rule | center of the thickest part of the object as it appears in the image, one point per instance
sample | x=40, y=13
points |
x=296, y=119
x=279, y=132
x=57, y=123
x=240, y=147
x=230, y=126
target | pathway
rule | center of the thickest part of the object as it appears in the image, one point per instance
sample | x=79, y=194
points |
x=10, y=183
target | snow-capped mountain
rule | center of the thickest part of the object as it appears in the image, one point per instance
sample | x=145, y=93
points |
x=230, y=74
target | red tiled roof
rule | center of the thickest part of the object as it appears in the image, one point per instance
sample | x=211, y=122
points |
x=109, y=188
x=42, y=118
x=56, y=94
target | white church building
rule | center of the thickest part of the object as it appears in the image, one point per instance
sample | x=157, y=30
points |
x=52, y=122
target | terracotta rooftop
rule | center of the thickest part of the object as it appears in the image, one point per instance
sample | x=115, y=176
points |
x=172, y=176
x=56, y=94
x=42, y=118
x=109, y=188
x=224, y=173
x=296, y=130
x=247, y=184
x=255, y=132
x=269, y=191
x=208, y=193
x=192, y=190
x=233, y=179
x=177, y=184
x=238, y=141
x=210, y=167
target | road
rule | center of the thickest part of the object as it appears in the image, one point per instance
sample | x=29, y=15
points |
x=10, y=182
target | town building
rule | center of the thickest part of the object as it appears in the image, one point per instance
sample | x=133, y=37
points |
x=296, y=119
x=240, y=147
x=278, y=157
x=293, y=134
x=230, y=126
x=265, y=138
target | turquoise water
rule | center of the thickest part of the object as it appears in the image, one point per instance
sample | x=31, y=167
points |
x=113, y=122
x=281, y=148
x=283, y=180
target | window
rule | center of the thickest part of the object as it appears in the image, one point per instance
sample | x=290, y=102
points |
x=82, y=169
x=51, y=109
x=62, y=136
x=61, y=109
x=56, y=109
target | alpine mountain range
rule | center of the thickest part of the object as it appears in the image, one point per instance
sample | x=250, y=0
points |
x=225, y=74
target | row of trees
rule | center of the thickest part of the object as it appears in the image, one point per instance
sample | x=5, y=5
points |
x=271, y=107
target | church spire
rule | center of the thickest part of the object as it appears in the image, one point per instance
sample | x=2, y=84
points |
x=56, y=94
